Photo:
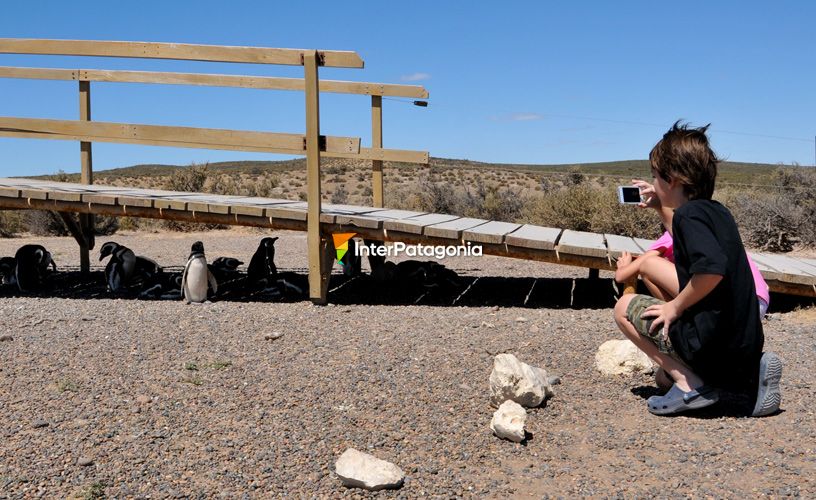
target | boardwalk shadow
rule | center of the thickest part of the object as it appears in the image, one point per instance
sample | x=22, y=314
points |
x=464, y=291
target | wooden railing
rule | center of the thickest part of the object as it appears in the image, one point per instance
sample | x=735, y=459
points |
x=311, y=144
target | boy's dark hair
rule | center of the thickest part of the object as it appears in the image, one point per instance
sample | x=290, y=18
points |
x=684, y=154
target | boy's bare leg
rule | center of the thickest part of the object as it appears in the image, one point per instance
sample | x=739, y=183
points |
x=660, y=277
x=685, y=379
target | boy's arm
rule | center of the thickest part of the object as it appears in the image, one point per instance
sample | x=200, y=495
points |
x=698, y=287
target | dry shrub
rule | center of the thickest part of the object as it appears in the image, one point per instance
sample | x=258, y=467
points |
x=189, y=179
x=778, y=218
x=584, y=208
x=11, y=223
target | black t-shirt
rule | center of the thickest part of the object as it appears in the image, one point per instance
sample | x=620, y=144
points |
x=720, y=337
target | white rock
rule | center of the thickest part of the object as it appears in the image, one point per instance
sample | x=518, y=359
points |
x=511, y=379
x=622, y=357
x=361, y=470
x=508, y=421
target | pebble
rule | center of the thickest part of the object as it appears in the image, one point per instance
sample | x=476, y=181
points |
x=6, y=338
x=85, y=461
x=273, y=336
x=37, y=424
x=142, y=399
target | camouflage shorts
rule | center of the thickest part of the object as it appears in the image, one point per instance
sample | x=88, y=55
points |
x=636, y=308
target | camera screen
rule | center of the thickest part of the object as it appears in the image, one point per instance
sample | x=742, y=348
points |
x=631, y=195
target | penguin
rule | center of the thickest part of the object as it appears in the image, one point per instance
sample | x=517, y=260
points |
x=225, y=269
x=262, y=272
x=196, y=276
x=146, y=269
x=31, y=267
x=7, y=267
x=162, y=285
x=352, y=261
x=121, y=265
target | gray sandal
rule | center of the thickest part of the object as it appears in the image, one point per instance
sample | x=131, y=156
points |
x=769, y=396
x=676, y=401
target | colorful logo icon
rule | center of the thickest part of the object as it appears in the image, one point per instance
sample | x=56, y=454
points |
x=341, y=244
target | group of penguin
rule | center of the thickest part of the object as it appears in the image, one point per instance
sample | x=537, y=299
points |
x=31, y=266
x=28, y=269
x=199, y=281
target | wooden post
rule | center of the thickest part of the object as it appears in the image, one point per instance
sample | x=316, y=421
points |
x=318, y=290
x=630, y=285
x=377, y=142
x=86, y=221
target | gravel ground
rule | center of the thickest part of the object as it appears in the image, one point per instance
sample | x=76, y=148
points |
x=137, y=398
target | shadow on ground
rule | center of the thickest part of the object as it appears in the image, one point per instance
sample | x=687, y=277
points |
x=464, y=291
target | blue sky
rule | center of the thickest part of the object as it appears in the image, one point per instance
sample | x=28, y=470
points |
x=516, y=82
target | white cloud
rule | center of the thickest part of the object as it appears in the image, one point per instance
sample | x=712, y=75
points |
x=415, y=77
x=517, y=117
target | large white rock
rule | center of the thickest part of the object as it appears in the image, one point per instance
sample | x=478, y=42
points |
x=622, y=357
x=511, y=379
x=508, y=421
x=361, y=470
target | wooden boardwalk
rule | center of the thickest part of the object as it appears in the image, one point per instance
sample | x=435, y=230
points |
x=524, y=241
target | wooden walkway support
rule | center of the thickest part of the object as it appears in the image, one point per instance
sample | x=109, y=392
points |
x=311, y=144
x=523, y=241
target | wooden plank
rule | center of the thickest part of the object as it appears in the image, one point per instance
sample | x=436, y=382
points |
x=582, y=243
x=786, y=269
x=644, y=244
x=414, y=225
x=161, y=135
x=397, y=155
x=9, y=192
x=376, y=143
x=313, y=181
x=453, y=229
x=214, y=80
x=536, y=237
x=177, y=51
x=783, y=264
x=64, y=195
x=492, y=232
x=618, y=244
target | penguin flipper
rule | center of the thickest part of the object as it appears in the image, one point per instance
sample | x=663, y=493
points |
x=213, y=282
x=184, y=282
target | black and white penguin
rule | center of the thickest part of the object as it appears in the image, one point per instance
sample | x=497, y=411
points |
x=225, y=269
x=163, y=285
x=7, y=267
x=262, y=272
x=121, y=265
x=31, y=267
x=197, y=275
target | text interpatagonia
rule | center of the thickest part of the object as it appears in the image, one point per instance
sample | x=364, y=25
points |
x=436, y=251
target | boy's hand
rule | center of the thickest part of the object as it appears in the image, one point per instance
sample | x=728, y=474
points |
x=624, y=260
x=663, y=314
x=647, y=194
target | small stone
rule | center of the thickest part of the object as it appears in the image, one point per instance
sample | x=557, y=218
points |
x=361, y=470
x=508, y=421
x=85, y=461
x=142, y=399
x=273, y=336
x=6, y=338
x=37, y=424
x=521, y=319
x=535, y=329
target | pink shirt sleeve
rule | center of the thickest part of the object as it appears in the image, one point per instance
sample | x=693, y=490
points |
x=664, y=245
x=759, y=282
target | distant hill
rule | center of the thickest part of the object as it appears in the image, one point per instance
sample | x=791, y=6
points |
x=729, y=172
